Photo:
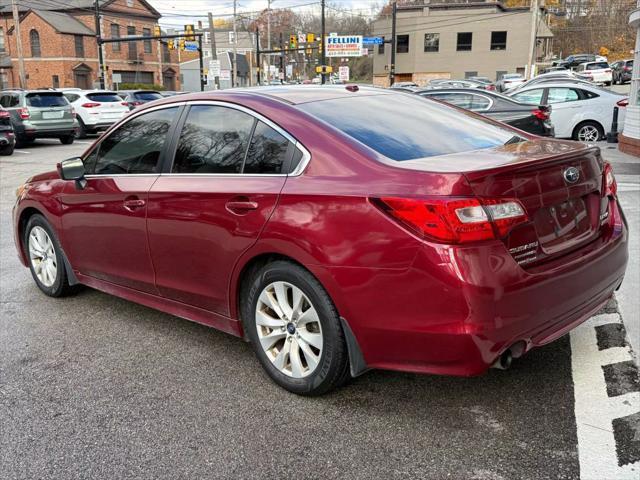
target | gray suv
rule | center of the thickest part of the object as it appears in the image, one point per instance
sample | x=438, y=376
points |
x=39, y=114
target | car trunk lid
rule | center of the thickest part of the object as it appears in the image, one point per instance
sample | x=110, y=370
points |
x=49, y=110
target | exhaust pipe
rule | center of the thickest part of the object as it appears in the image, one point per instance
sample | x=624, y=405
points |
x=504, y=361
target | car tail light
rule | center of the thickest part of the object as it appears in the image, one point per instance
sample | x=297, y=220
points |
x=491, y=87
x=610, y=186
x=126, y=104
x=90, y=105
x=135, y=104
x=4, y=114
x=454, y=221
x=541, y=113
x=623, y=103
x=24, y=113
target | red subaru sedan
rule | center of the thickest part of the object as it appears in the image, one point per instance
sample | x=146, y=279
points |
x=337, y=229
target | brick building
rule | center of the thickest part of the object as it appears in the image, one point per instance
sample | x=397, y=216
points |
x=60, y=49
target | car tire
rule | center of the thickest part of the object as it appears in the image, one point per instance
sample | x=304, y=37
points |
x=310, y=363
x=68, y=140
x=583, y=131
x=82, y=129
x=6, y=151
x=45, y=257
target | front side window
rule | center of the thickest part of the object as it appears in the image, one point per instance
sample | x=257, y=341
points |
x=79, y=44
x=34, y=40
x=562, y=95
x=431, y=42
x=214, y=139
x=268, y=151
x=498, y=40
x=135, y=147
x=532, y=97
x=465, y=40
x=402, y=44
x=462, y=100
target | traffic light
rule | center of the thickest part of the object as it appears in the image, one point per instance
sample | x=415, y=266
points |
x=293, y=41
x=171, y=45
x=189, y=32
x=156, y=31
x=181, y=43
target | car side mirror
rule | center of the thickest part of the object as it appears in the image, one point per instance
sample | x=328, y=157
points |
x=73, y=169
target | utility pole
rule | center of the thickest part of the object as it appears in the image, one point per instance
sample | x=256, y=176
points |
x=235, y=43
x=323, y=58
x=392, y=66
x=259, y=69
x=534, y=30
x=16, y=21
x=284, y=75
x=214, y=53
x=98, y=37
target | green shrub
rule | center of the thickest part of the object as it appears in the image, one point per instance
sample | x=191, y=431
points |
x=140, y=86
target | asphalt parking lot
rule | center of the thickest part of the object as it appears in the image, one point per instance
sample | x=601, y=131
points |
x=93, y=386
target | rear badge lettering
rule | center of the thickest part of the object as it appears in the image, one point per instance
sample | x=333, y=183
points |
x=525, y=253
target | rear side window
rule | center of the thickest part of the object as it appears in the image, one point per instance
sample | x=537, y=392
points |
x=213, y=140
x=147, y=96
x=104, y=97
x=46, y=100
x=413, y=127
x=562, y=95
x=532, y=97
x=268, y=151
x=588, y=94
x=72, y=97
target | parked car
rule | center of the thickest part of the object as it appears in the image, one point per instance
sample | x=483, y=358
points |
x=7, y=135
x=555, y=77
x=497, y=106
x=96, y=110
x=487, y=83
x=557, y=68
x=572, y=61
x=598, y=72
x=621, y=71
x=509, y=81
x=453, y=83
x=135, y=98
x=39, y=114
x=404, y=84
x=331, y=247
x=578, y=111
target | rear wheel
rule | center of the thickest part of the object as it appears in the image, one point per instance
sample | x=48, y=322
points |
x=82, y=129
x=295, y=329
x=7, y=150
x=68, y=140
x=45, y=256
x=588, y=132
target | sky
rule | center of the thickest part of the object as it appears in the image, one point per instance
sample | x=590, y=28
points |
x=181, y=12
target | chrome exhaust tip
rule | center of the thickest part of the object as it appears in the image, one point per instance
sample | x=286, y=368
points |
x=504, y=361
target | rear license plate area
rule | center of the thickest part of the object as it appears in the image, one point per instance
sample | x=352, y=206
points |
x=564, y=224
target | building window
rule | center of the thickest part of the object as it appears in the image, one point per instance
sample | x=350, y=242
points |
x=431, y=42
x=133, y=46
x=34, y=40
x=115, y=33
x=79, y=43
x=55, y=81
x=470, y=74
x=2, y=48
x=402, y=44
x=166, y=54
x=498, y=40
x=464, y=41
x=147, y=43
x=381, y=47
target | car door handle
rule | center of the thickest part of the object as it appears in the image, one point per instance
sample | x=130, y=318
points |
x=240, y=206
x=133, y=203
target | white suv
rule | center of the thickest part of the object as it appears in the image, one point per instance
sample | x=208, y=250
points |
x=599, y=72
x=96, y=110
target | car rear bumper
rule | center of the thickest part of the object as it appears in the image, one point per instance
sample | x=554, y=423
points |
x=48, y=133
x=457, y=309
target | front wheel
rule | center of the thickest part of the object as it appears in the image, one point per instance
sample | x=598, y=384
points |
x=68, y=140
x=7, y=150
x=45, y=256
x=294, y=329
x=588, y=132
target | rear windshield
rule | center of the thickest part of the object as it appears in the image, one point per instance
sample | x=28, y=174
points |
x=52, y=99
x=147, y=96
x=106, y=97
x=405, y=127
x=597, y=65
x=630, y=63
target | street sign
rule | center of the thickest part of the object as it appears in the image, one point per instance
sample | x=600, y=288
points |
x=214, y=68
x=116, y=78
x=289, y=70
x=302, y=38
x=311, y=37
x=372, y=41
x=343, y=73
x=343, y=46
x=225, y=74
x=191, y=46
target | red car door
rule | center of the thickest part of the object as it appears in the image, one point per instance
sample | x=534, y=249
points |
x=104, y=224
x=224, y=183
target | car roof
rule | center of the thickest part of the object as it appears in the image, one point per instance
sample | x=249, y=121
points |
x=561, y=85
x=474, y=91
x=297, y=94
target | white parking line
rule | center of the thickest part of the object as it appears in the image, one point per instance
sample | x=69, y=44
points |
x=594, y=409
x=83, y=143
x=21, y=151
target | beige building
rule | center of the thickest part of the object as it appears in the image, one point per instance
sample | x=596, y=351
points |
x=451, y=39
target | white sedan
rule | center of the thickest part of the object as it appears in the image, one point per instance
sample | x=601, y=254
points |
x=96, y=110
x=578, y=111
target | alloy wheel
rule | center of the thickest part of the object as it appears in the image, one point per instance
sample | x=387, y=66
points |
x=289, y=329
x=43, y=256
x=588, y=133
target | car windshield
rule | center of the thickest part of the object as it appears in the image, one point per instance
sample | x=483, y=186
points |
x=46, y=99
x=105, y=97
x=407, y=127
x=147, y=96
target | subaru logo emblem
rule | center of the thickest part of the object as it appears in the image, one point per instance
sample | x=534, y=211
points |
x=571, y=175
